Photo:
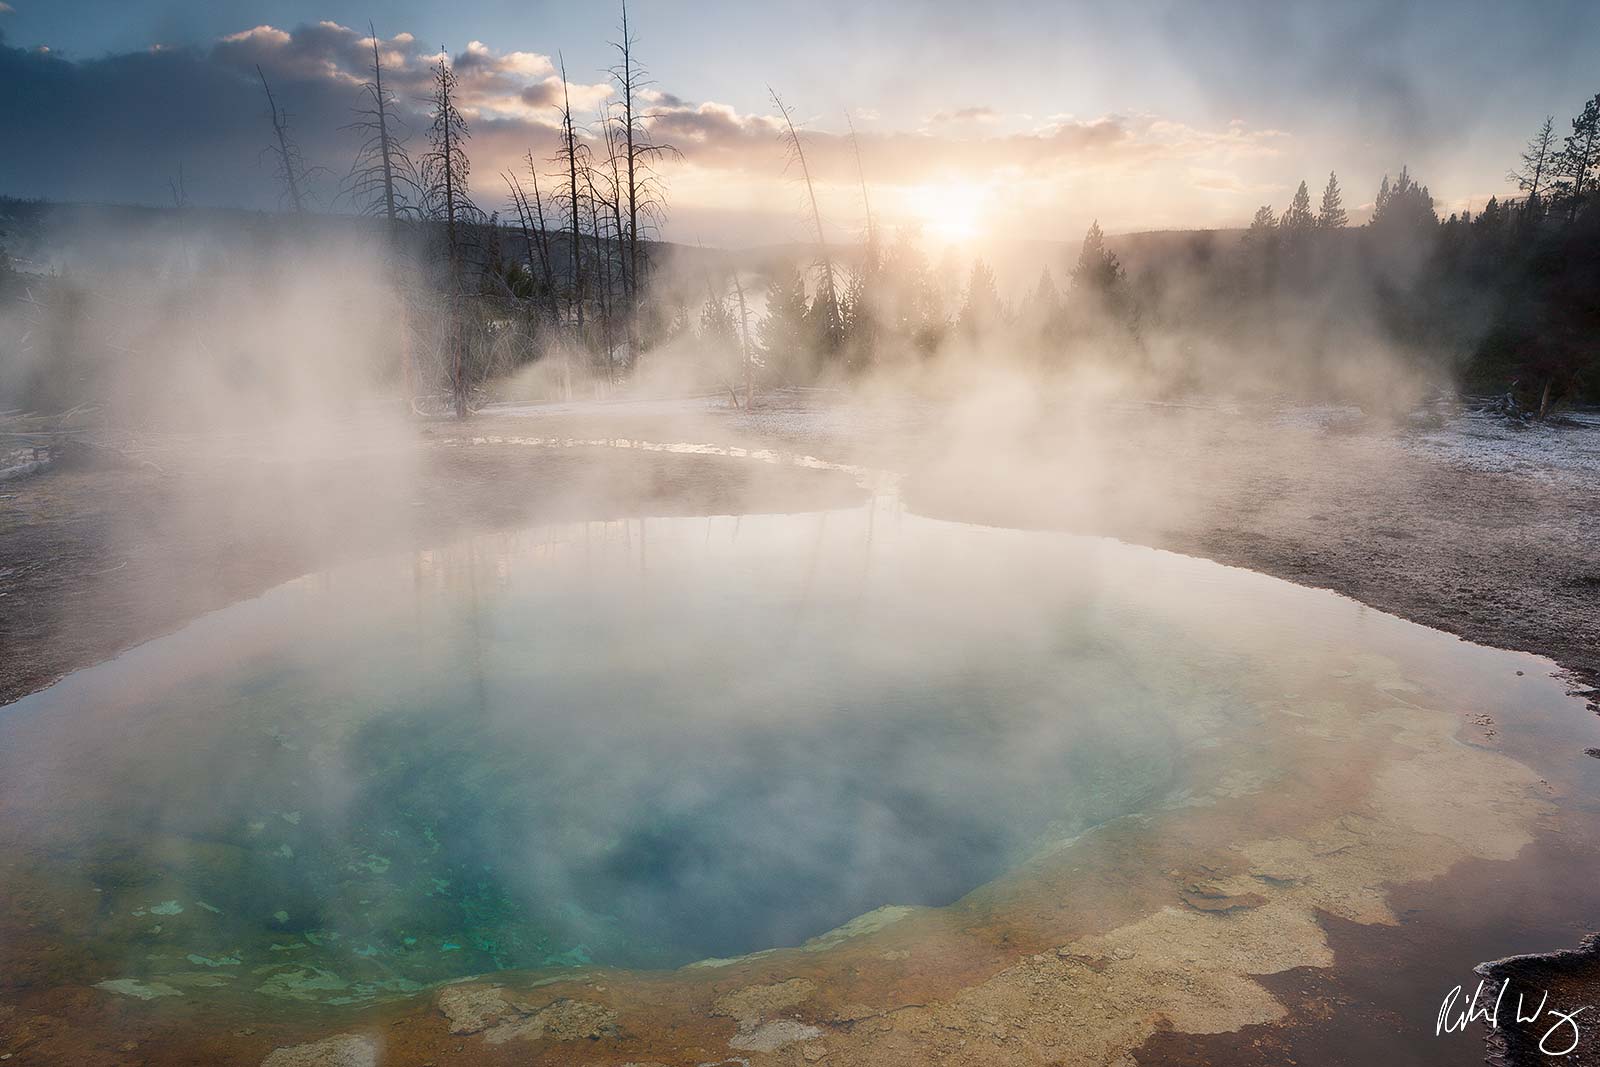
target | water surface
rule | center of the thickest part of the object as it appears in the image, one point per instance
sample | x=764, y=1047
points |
x=645, y=743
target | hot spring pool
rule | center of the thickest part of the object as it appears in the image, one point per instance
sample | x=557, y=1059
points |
x=647, y=743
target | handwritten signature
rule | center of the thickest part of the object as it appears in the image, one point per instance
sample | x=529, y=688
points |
x=1454, y=1015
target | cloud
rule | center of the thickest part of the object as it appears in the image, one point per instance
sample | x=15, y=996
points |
x=117, y=127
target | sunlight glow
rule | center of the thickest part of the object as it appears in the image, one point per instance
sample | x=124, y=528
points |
x=950, y=212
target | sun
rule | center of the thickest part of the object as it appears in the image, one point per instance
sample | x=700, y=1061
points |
x=950, y=213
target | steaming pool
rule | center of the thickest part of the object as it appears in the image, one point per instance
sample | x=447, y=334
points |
x=653, y=743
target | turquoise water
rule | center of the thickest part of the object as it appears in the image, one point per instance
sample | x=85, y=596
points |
x=634, y=744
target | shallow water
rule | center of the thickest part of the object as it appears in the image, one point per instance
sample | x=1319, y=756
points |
x=645, y=743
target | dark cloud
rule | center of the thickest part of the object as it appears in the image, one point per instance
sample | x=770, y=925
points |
x=543, y=94
x=118, y=127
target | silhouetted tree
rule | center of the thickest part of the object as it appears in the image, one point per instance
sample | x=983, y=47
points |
x=1260, y=244
x=574, y=158
x=1098, y=270
x=1297, y=219
x=1038, y=319
x=783, y=328
x=718, y=330
x=533, y=242
x=861, y=311
x=532, y=211
x=1045, y=298
x=1262, y=235
x=286, y=157
x=1331, y=216
x=1294, y=235
x=445, y=167
x=445, y=171
x=747, y=354
x=982, y=310
x=1537, y=159
x=602, y=261
x=1405, y=205
x=382, y=179
x=1580, y=156
x=825, y=308
x=642, y=195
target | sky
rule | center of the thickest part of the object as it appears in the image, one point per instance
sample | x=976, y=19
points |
x=1002, y=121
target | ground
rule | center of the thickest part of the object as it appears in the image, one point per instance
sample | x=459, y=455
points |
x=1464, y=524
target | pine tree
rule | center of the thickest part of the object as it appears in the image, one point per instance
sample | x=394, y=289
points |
x=861, y=308
x=1042, y=304
x=1263, y=231
x=912, y=305
x=783, y=329
x=1580, y=156
x=1098, y=269
x=981, y=310
x=1298, y=218
x=718, y=327
x=1403, y=205
x=1332, y=216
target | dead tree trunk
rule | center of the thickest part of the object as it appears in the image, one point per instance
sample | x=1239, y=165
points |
x=627, y=81
x=644, y=193
x=287, y=154
x=570, y=137
x=828, y=292
x=542, y=235
x=390, y=157
x=447, y=169
x=602, y=268
x=744, y=344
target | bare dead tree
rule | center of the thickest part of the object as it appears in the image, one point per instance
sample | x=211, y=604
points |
x=745, y=352
x=542, y=233
x=572, y=153
x=445, y=167
x=445, y=171
x=291, y=165
x=645, y=193
x=383, y=179
x=616, y=193
x=532, y=243
x=1537, y=159
x=601, y=264
x=519, y=203
x=797, y=154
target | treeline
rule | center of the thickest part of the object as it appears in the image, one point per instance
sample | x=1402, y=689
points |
x=566, y=279
x=1504, y=300
x=562, y=271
